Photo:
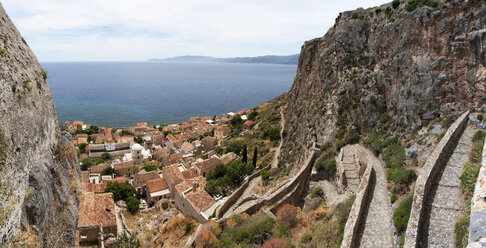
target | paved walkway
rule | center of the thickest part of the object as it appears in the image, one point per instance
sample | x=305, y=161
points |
x=442, y=209
x=277, y=152
x=376, y=230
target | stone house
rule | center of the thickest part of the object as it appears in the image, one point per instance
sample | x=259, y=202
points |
x=191, y=198
x=157, y=189
x=190, y=173
x=81, y=138
x=124, y=169
x=248, y=125
x=207, y=166
x=209, y=142
x=172, y=176
x=230, y=156
x=162, y=155
x=175, y=158
x=96, y=213
x=221, y=132
x=140, y=179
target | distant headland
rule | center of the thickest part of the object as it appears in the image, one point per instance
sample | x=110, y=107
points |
x=267, y=59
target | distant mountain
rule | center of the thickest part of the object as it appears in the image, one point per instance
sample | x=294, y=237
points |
x=267, y=59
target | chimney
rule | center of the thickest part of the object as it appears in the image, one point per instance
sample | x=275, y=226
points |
x=195, y=185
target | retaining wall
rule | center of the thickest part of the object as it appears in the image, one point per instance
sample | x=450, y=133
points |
x=477, y=227
x=429, y=173
x=357, y=210
x=235, y=196
x=282, y=193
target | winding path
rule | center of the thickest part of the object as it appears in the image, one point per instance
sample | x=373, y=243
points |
x=442, y=208
x=376, y=228
x=277, y=152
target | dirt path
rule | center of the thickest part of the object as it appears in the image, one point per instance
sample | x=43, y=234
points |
x=277, y=151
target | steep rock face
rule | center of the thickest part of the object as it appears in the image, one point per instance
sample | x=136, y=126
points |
x=38, y=166
x=390, y=68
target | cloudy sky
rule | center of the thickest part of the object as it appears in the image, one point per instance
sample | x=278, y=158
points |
x=136, y=30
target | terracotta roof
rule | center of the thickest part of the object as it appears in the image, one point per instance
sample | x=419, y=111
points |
x=248, y=123
x=171, y=137
x=174, y=158
x=191, y=173
x=124, y=165
x=155, y=185
x=187, y=147
x=209, y=164
x=210, y=139
x=199, y=198
x=77, y=123
x=141, y=178
x=116, y=180
x=95, y=187
x=172, y=173
x=98, y=169
x=97, y=209
x=81, y=135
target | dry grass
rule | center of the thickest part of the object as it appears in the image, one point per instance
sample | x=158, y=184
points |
x=27, y=239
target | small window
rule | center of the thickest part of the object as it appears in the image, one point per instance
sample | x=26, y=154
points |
x=108, y=210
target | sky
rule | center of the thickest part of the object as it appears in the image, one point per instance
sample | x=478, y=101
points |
x=137, y=30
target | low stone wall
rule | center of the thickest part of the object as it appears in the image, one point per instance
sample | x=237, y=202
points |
x=282, y=193
x=357, y=210
x=477, y=227
x=429, y=173
x=235, y=196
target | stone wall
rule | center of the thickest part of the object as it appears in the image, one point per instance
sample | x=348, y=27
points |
x=429, y=172
x=282, y=192
x=477, y=228
x=235, y=196
x=356, y=214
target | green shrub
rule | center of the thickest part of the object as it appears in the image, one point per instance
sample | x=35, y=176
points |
x=413, y=4
x=400, y=175
x=188, y=228
x=274, y=134
x=105, y=156
x=480, y=117
x=306, y=238
x=121, y=191
x=149, y=167
x=133, y=204
x=109, y=171
x=247, y=232
x=326, y=162
x=282, y=231
x=402, y=214
x=126, y=241
x=235, y=146
x=479, y=136
x=44, y=74
x=3, y=52
x=393, y=198
x=237, y=219
x=318, y=192
x=265, y=175
x=395, y=4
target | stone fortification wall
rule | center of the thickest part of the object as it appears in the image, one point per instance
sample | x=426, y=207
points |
x=235, y=196
x=433, y=166
x=359, y=205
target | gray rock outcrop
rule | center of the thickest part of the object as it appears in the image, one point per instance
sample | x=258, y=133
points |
x=38, y=165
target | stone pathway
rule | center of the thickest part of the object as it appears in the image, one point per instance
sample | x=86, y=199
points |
x=376, y=230
x=442, y=208
x=277, y=151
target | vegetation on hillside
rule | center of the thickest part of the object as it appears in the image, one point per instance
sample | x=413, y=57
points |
x=468, y=179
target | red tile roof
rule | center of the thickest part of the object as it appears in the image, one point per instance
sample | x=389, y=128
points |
x=97, y=208
x=98, y=169
x=124, y=165
x=155, y=185
x=172, y=173
x=191, y=173
x=199, y=198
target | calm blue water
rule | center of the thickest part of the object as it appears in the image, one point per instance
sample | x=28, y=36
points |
x=122, y=94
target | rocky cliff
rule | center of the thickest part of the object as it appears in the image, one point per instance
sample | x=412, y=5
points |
x=38, y=165
x=389, y=67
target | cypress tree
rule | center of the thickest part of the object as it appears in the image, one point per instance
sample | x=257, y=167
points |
x=245, y=155
x=255, y=155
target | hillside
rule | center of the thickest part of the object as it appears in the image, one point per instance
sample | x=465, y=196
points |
x=387, y=68
x=38, y=165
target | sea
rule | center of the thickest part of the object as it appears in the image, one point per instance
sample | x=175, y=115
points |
x=120, y=94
